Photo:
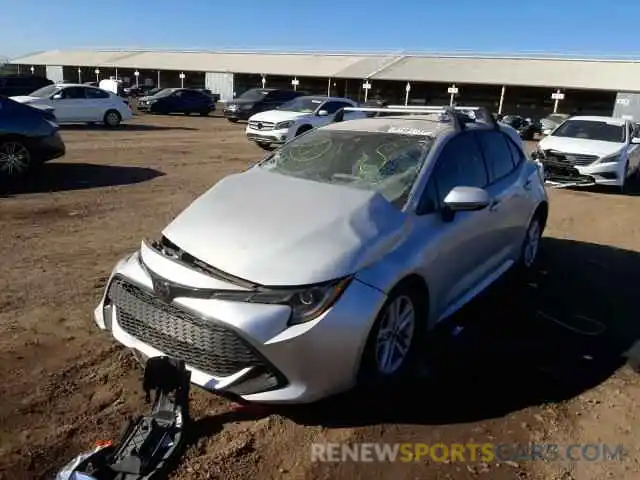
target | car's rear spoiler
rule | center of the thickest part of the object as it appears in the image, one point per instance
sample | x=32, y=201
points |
x=459, y=115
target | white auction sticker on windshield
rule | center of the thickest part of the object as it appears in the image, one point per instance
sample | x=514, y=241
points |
x=316, y=101
x=410, y=131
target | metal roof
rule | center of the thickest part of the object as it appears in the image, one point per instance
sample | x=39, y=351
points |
x=619, y=75
x=562, y=72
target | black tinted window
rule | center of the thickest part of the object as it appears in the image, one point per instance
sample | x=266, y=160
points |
x=96, y=93
x=460, y=165
x=496, y=153
x=73, y=93
x=516, y=154
x=332, y=107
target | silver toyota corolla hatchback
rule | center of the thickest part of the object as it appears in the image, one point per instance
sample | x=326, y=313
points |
x=334, y=257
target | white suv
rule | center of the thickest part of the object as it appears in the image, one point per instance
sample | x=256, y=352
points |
x=301, y=114
x=591, y=150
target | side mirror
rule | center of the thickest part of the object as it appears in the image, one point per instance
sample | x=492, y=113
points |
x=466, y=199
x=323, y=113
x=57, y=96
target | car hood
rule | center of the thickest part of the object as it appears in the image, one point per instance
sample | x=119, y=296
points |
x=276, y=230
x=277, y=116
x=580, y=146
x=25, y=99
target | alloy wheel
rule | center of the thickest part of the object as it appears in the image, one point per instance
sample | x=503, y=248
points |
x=395, y=335
x=532, y=243
x=14, y=158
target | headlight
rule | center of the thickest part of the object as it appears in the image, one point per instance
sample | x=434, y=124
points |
x=611, y=158
x=306, y=303
x=282, y=125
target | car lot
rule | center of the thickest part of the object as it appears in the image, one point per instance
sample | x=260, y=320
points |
x=65, y=385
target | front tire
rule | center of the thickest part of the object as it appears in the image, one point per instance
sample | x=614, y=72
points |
x=112, y=118
x=393, y=345
x=15, y=159
x=233, y=120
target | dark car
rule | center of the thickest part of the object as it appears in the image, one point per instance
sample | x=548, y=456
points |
x=139, y=90
x=257, y=100
x=178, y=100
x=206, y=91
x=28, y=137
x=17, y=85
x=527, y=128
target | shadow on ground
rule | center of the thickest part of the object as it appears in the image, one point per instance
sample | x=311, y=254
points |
x=55, y=177
x=128, y=127
x=566, y=331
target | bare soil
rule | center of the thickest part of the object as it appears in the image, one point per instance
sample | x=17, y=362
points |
x=513, y=375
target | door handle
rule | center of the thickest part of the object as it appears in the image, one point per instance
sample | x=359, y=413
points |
x=493, y=206
x=527, y=185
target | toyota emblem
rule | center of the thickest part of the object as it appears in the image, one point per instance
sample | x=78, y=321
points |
x=163, y=290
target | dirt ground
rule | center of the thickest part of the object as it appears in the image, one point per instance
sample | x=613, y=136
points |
x=514, y=374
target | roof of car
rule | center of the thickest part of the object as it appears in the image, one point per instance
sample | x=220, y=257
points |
x=327, y=99
x=414, y=124
x=595, y=118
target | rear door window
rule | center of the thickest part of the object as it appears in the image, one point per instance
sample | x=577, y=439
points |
x=497, y=154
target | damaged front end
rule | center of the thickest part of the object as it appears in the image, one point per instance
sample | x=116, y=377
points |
x=558, y=170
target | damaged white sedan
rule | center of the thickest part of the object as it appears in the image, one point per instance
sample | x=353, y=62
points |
x=331, y=260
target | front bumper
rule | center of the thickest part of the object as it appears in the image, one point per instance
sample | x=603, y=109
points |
x=238, y=348
x=273, y=137
x=236, y=114
x=561, y=173
x=49, y=148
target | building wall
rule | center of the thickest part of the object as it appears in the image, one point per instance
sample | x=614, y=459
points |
x=221, y=83
x=627, y=105
x=55, y=73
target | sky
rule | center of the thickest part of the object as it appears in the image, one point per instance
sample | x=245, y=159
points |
x=588, y=27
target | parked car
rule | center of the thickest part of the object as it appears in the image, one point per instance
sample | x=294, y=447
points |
x=257, y=100
x=591, y=150
x=178, y=100
x=330, y=261
x=551, y=122
x=275, y=127
x=206, y=91
x=28, y=137
x=526, y=127
x=140, y=90
x=12, y=85
x=75, y=103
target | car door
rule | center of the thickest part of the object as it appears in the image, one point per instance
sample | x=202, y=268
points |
x=70, y=105
x=633, y=148
x=509, y=204
x=456, y=253
x=98, y=102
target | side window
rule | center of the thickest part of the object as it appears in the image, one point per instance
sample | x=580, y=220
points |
x=516, y=154
x=497, y=154
x=96, y=93
x=73, y=93
x=460, y=164
x=332, y=107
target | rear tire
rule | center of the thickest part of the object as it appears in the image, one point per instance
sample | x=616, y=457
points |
x=112, y=118
x=15, y=159
x=233, y=120
x=529, y=253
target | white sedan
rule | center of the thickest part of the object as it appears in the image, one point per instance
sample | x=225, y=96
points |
x=80, y=104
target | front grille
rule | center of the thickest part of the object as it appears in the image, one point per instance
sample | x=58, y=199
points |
x=261, y=125
x=176, y=332
x=571, y=158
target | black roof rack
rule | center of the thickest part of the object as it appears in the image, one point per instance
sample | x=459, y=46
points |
x=460, y=116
